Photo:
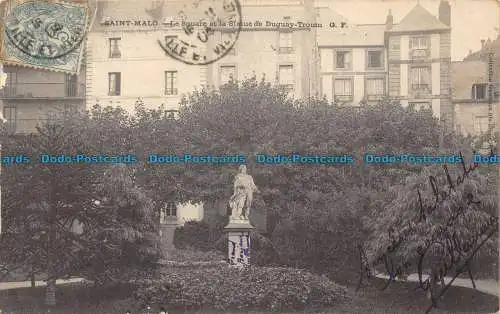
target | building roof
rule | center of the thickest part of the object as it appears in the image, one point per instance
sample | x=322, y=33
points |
x=123, y=10
x=464, y=74
x=276, y=14
x=353, y=35
x=482, y=53
x=419, y=19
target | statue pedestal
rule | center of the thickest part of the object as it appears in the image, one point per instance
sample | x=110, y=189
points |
x=238, y=232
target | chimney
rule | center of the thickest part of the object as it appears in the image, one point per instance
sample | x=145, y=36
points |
x=445, y=12
x=482, y=43
x=389, y=20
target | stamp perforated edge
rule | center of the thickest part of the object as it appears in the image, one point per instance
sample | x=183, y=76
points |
x=88, y=22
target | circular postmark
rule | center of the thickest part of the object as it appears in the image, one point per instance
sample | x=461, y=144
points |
x=46, y=30
x=210, y=28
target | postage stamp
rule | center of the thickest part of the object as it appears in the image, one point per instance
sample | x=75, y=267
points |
x=210, y=30
x=44, y=34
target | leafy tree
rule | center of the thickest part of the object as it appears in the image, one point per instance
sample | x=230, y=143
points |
x=306, y=204
x=45, y=201
x=434, y=234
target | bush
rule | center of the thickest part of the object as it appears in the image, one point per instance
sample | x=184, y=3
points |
x=194, y=234
x=193, y=255
x=228, y=288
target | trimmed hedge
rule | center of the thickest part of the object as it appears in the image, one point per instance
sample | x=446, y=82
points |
x=229, y=288
x=194, y=255
x=193, y=234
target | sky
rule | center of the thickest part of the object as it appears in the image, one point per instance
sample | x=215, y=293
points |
x=472, y=20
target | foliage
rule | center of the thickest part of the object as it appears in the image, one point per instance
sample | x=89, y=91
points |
x=43, y=203
x=316, y=214
x=426, y=224
x=194, y=255
x=224, y=288
x=304, y=204
x=123, y=227
x=193, y=234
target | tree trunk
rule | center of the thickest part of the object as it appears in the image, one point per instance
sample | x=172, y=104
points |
x=50, y=292
x=33, y=283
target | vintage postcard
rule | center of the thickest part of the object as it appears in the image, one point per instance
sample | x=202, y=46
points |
x=249, y=156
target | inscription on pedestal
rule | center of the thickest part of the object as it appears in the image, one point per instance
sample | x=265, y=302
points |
x=239, y=248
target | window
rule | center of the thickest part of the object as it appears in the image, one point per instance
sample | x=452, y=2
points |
x=227, y=73
x=71, y=85
x=114, y=48
x=343, y=89
x=420, y=46
x=10, y=114
x=170, y=82
x=114, y=79
x=169, y=210
x=420, y=78
x=375, y=88
x=481, y=124
x=420, y=42
x=479, y=91
x=374, y=59
x=417, y=106
x=286, y=77
x=286, y=43
x=343, y=60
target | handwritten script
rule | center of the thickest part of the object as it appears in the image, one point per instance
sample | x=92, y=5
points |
x=445, y=248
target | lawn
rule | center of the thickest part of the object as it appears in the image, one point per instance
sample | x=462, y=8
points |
x=398, y=298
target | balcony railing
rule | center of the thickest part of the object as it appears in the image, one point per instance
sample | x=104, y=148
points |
x=420, y=90
x=115, y=54
x=420, y=53
x=374, y=97
x=288, y=87
x=42, y=90
x=342, y=98
x=171, y=91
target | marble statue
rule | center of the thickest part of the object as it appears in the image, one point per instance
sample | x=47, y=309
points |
x=241, y=200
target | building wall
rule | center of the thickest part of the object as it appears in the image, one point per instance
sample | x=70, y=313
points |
x=32, y=96
x=358, y=73
x=142, y=66
x=257, y=54
x=143, y=62
x=466, y=115
x=447, y=112
x=401, y=61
